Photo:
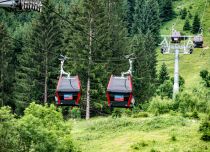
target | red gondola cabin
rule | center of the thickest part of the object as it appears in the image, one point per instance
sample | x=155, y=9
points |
x=68, y=91
x=198, y=41
x=176, y=37
x=120, y=92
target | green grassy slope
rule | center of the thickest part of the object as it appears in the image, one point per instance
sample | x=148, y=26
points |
x=190, y=65
x=164, y=133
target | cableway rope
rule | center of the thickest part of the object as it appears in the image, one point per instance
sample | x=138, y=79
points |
x=5, y=1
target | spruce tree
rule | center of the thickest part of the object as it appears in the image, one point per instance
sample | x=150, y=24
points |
x=139, y=5
x=144, y=66
x=187, y=25
x=166, y=10
x=47, y=45
x=39, y=65
x=196, y=24
x=147, y=31
x=183, y=13
x=130, y=15
x=7, y=71
x=147, y=18
x=163, y=74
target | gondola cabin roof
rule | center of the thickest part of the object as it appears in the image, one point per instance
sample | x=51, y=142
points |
x=198, y=38
x=120, y=84
x=71, y=84
x=176, y=34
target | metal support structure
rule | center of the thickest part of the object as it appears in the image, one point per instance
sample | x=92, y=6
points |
x=35, y=5
x=168, y=48
x=176, y=74
x=62, y=72
x=130, y=70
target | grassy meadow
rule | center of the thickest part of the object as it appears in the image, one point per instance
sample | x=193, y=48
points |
x=165, y=133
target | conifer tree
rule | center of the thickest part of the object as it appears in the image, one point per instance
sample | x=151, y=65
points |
x=138, y=16
x=7, y=72
x=147, y=18
x=196, y=24
x=130, y=15
x=147, y=31
x=183, y=13
x=39, y=65
x=47, y=45
x=144, y=66
x=163, y=74
x=187, y=25
x=166, y=10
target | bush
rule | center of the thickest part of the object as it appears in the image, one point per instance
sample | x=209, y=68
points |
x=139, y=145
x=173, y=138
x=126, y=112
x=165, y=89
x=117, y=113
x=195, y=114
x=205, y=129
x=75, y=113
x=41, y=128
x=8, y=130
x=190, y=102
x=206, y=136
x=160, y=106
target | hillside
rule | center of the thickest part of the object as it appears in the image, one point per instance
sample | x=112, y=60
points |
x=154, y=133
x=190, y=65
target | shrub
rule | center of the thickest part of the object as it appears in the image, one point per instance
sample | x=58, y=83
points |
x=165, y=89
x=117, y=113
x=42, y=128
x=205, y=129
x=8, y=130
x=160, y=106
x=127, y=112
x=190, y=102
x=139, y=145
x=75, y=113
x=153, y=150
x=195, y=114
x=173, y=138
x=206, y=136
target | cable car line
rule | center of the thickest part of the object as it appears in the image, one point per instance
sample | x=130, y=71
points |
x=5, y=1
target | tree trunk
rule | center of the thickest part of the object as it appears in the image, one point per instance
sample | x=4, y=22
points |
x=46, y=79
x=89, y=67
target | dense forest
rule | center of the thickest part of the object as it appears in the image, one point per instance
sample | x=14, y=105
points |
x=34, y=41
x=96, y=36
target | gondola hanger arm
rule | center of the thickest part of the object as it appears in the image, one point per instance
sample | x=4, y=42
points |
x=62, y=72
